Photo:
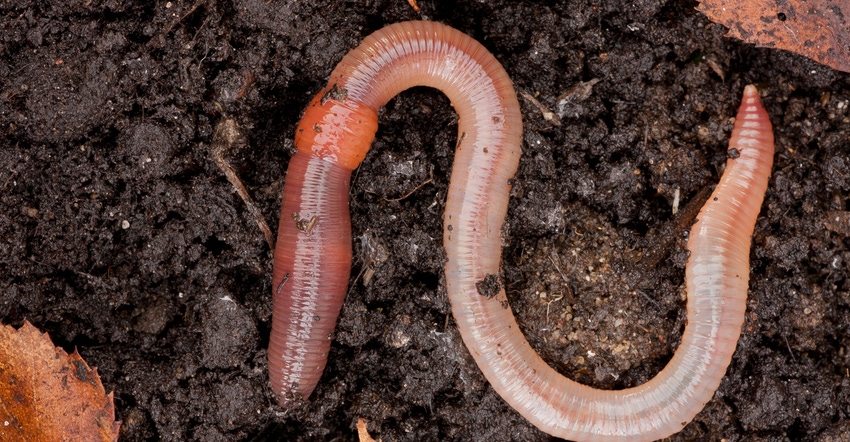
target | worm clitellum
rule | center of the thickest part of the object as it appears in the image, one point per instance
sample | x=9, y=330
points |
x=313, y=254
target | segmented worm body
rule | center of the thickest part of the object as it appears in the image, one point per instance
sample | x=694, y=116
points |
x=313, y=253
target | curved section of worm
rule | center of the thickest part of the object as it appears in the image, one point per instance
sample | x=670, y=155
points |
x=313, y=254
x=717, y=278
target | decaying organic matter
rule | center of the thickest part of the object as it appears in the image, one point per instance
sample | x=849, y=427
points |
x=121, y=237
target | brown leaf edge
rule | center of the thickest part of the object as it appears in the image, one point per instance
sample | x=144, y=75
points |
x=817, y=29
x=108, y=427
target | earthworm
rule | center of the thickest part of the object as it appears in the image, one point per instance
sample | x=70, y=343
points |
x=313, y=253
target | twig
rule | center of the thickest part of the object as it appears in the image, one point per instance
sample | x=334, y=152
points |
x=189, y=12
x=548, y=115
x=227, y=134
x=421, y=185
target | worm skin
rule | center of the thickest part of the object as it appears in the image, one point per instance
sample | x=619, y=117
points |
x=313, y=253
x=717, y=278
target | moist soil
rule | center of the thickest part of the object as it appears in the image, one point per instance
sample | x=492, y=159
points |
x=122, y=238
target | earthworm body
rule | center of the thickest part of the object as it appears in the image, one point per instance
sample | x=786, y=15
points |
x=313, y=254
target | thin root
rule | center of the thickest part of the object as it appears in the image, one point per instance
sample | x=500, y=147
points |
x=228, y=134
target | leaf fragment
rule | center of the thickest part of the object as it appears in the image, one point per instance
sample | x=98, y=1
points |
x=818, y=29
x=48, y=395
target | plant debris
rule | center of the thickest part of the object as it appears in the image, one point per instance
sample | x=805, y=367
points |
x=818, y=29
x=48, y=395
x=363, y=432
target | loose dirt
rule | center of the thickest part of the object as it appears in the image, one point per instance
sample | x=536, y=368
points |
x=121, y=237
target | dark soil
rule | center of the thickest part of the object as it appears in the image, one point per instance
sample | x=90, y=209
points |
x=121, y=237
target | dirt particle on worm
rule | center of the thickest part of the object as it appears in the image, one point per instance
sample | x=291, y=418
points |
x=733, y=153
x=489, y=287
x=305, y=225
x=282, y=282
x=460, y=140
x=335, y=93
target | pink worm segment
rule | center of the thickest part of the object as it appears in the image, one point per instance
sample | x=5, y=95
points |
x=313, y=259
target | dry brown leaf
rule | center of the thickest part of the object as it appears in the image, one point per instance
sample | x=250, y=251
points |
x=818, y=29
x=363, y=433
x=48, y=395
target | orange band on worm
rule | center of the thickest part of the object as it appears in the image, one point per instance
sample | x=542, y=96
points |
x=313, y=253
x=336, y=130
